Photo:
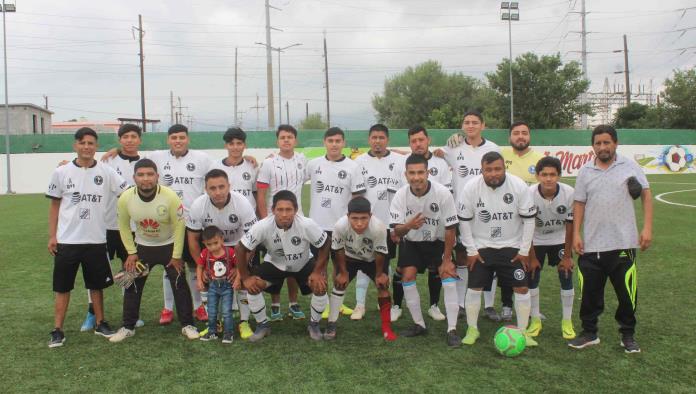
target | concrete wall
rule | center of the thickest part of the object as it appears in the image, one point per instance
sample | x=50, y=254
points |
x=21, y=120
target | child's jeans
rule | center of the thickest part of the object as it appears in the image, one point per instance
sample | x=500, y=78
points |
x=220, y=290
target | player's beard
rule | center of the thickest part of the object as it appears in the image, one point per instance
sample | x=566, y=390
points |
x=494, y=184
x=521, y=146
x=605, y=157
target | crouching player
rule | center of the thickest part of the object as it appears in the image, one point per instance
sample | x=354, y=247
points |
x=360, y=243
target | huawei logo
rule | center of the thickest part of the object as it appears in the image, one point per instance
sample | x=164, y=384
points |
x=149, y=224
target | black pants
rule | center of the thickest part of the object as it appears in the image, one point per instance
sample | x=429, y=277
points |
x=153, y=255
x=619, y=266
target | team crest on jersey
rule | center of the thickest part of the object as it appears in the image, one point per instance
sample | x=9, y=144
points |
x=434, y=207
x=433, y=171
x=364, y=171
x=531, y=170
x=561, y=254
x=191, y=167
x=561, y=209
x=295, y=240
x=484, y=216
x=391, y=166
x=246, y=176
x=463, y=171
x=342, y=174
x=518, y=274
x=372, y=181
x=168, y=180
x=367, y=242
x=409, y=211
x=118, y=171
x=98, y=180
x=233, y=218
x=508, y=199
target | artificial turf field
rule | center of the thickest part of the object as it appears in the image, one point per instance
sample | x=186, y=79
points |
x=160, y=359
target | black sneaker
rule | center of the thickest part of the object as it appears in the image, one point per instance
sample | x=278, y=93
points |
x=208, y=336
x=330, y=333
x=262, y=330
x=414, y=331
x=584, y=340
x=629, y=344
x=57, y=338
x=491, y=314
x=315, y=331
x=104, y=329
x=227, y=337
x=453, y=340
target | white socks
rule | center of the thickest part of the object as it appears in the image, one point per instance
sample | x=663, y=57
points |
x=243, y=301
x=567, y=303
x=534, y=294
x=318, y=304
x=257, y=306
x=473, y=306
x=193, y=285
x=335, y=301
x=489, y=296
x=362, y=282
x=168, y=293
x=449, y=287
x=462, y=283
x=413, y=302
x=523, y=306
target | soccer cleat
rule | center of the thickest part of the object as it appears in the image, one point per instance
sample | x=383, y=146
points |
x=104, y=329
x=435, y=314
x=208, y=336
x=358, y=312
x=490, y=312
x=629, y=344
x=330, y=333
x=315, y=331
x=166, y=317
x=472, y=334
x=388, y=334
x=531, y=342
x=507, y=314
x=57, y=338
x=89, y=323
x=453, y=340
x=345, y=311
x=534, y=328
x=414, y=331
x=395, y=313
x=139, y=323
x=202, y=314
x=227, y=337
x=584, y=340
x=190, y=332
x=262, y=330
x=275, y=313
x=568, y=330
x=121, y=334
x=245, y=330
x=295, y=312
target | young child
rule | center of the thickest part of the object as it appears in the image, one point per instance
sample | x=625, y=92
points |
x=216, y=267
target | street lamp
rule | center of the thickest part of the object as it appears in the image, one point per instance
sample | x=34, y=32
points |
x=280, y=105
x=510, y=11
x=7, y=8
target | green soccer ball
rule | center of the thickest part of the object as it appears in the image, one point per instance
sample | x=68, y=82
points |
x=509, y=341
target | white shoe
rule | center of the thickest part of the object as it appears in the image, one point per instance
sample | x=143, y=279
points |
x=190, y=332
x=395, y=312
x=121, y=334
x=435, y=313
x=139, y=323
x=358, y=312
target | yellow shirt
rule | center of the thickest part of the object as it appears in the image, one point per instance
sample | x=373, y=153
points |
x=522, y=166
x=158, y=222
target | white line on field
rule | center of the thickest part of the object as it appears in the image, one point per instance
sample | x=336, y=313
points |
x=659, y=198
x=673, y=183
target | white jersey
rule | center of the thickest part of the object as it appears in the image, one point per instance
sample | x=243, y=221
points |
x=288, y=250
x=382, y=177
x=495, y=215
x=360, y=246
x=280, y=173
x=123, y=165
x=242, y=177
x=234, y=219
x=438, y=171
x=185, y=174
x=465, y=161
x=86, y=195
x=552, y=215
x=436, y=205
x=332, y=186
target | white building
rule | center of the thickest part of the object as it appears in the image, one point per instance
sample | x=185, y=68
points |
x=26, y=118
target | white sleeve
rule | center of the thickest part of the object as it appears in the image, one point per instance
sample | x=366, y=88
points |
x=527, y=236
x=247, y=214
x=357, y=180
x=337, y=242
x=465, y=209
x=449, y=211
x=580, y=193
x=255, y=236
x=569, y=205
x=396, y=211
x=265, y=172
x=118, y=184
x=379, y=238
x=55, y=186
x=193, y=220
x=315, y=235
x=526, y=207
x=467, y=237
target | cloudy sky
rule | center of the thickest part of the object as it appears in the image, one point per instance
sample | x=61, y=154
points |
x=83, y=54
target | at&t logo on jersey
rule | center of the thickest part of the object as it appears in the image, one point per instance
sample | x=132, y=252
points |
x=77, y=198
x=321, y=187
x=168, y=179
x=465, y=171
x=486, y=216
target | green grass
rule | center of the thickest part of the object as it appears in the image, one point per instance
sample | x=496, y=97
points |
x=159, y=358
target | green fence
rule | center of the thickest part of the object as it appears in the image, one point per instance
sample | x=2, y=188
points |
x=355, y=138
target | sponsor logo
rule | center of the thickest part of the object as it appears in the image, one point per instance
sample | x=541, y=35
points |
x=434, y=207
x=70, y=185
x=382, y=195
x=518, y=274
x=118, y=171
x=167, y=166
x=342, y=174
x=76, y=198
x=409, y=211
x=246, y=176
x=52, y=187
x=98, y=180
x=84, y=213
x=372, y=181
x=149, y=225
x=325, y=202
x=433, y=171
x=496, y=232
x=463, y=171
x=480, y=203
x=167, y=180
x=561, y=209
x=484, y=216
x=318, y=170
x=233, y=218
x=207, y=219
x=191, y=167
x=427, y=235
x=538, y=222
x=295, y=240
x=508, y=198
x=276, y=239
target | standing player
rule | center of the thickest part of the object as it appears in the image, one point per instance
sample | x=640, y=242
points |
x=287, y=237
x=424, y=215
x=284, y=171
x=359, y=241
x=604, y=208
x=553, y=238
x=497, y=226
x=81, y=193
x=230, y=212
x=159, y=239
x=382, y=169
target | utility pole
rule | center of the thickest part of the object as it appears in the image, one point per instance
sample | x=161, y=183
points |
x=269, y=69
x=236, y=119
x=179, y=113
x=141, y=33
x=287, y=112
x=583, y=97
x=326, y=82
x=46, y=100
x=257, y=108
x=628, y=80
x=306, y=110
x=171, y=107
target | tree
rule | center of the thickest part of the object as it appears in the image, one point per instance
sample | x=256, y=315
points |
x=313, y=122
x=680, y=99
x=640, y=116
x=546, y=92
x=428, y=96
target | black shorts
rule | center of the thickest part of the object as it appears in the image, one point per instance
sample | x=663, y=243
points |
x=368, y=268
x=552, y=253
x=96, y=270
x=497, y=261
x=276, y=277
x=422, y=255
x=114, y=245
x=186, y=254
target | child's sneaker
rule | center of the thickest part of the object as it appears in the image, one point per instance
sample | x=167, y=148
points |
x=57, y=338
x=209, y=336
x=227, y=337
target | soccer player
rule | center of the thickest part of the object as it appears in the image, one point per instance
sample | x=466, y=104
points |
x=463, y=153
x=81, y=193
x=553, y=237
x=496, y=225
x=287, y=237
x=609, y=238
x=159, y=239
x=382, y=169
x=284, y=171
x=424, y=215
x=230, y=212
x=359, y=241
